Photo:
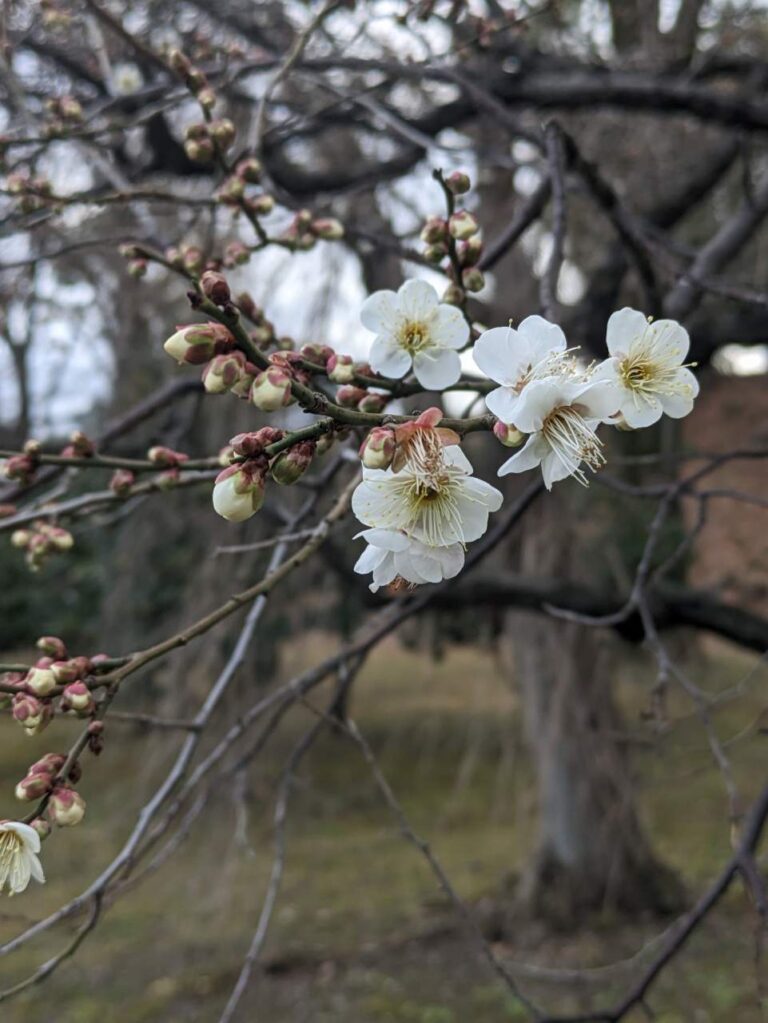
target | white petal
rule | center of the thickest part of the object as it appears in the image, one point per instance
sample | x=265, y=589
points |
x=452, y=560
x=27, y=834
x=528, y=457
x=427, y=566
x=484, y=493
x=601, y=399
x=417, y=300
x=386, y=357
x=537, y=400
x=370, y=560
x=379, y=312
x=374, y=503
x=624, y=327
x=36, y=868
x=503, y=403
x=387, y=539
x=641, y=412
x=679, y=405
x=554, y=469
x=542, y=336
x=437, y=368
x=499, y=354
x=454, y=455
x=671, y=338
x=449, y=327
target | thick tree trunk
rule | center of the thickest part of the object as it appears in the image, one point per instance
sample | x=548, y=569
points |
x=592, y=853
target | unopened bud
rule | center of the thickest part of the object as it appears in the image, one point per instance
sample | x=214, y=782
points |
x=236, y=254
x=199, y=150
x=470, y=250
x=378, y=448
x=65, y=671
x=327, y=228
x=166, y=458
x=341, y=369
x=32, y=714
x=472, y=279
x=372, y=402
x=21, y=537
x=40, y=681
x=50, y=765
x=137, y=268
x=223, y=372
x=66, y=807
x=453, y=295
x=78, y=697
x=223, y=130
x=194, y=344
x=238, y=492
x=249, y=170
x=215, y=287
x=436, y=253
x=206, y=97
x=121, y=482
x=435, y=230
x=348, y=396
x=462, y=225
x=290, y=465
x=52, y=646
x=458, y=182
x=261, y=205
x=41, y=826
x=33, y=787
x=509, y=435
x=271, y=389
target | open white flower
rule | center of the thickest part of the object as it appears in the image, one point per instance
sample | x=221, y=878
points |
x=646, y=364
x=19, y=846
x=414, y=329
x=561, y=417
x=391, y=555
x=514, y=357
x=433, y=498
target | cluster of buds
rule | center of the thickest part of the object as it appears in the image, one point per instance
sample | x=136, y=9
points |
x=305, y=230
x=30, y=193
x=42, y=777
x=234, y=191
x=193, y=78
x=170, y=461
x=80, y=446
x=52, y=676
x=63, y=111
x=189, y=258
x=137, y=263
x=40, y=540
x=202, y=140
x=457, y=235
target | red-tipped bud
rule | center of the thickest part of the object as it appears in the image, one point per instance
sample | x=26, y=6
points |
x=378, y=448
x=372, y=402
x=78, y=698
x=458, y=183
x=223, y=372
x=121, y=482
x=41, y=826
x=50, y=764
x=52, y=646
x=20, y=467
x=435, y=231
x=66, y=807
x=341, y=369
x=33, y=787
x=66, y=671
x=215, y=287
x=327, y=228
x=32, y=714
x=290, y=465
x=349, y=396
x=249, y=170
x=195, y=343
x=509, y=436
x=166, y=458
x=271, y=389
x=238, y=492
x=462, y=225
x=236, y=254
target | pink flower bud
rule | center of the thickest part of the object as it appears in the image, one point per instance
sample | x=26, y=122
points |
x=194, y=344
x=436, y=253
x=32, y=714
x=316, y=354
x=60, y=539
x=21, y=537
x=20, y=467
x=372, y=402
x=249, y=170
x=193, y=258
x=78, y=698
x=40, y=681
x=121, y=482
x=435, y=231
x=261, y=205
x=223, y=372
x=458, y=182
x=33, y=787
x=470, y=250
x=462, y=225
x=41, y=826
x=290, y=465
x=66, y=807
x=50, y=765
x=271, y=389
x=236, y=254
x=215, y=287
x=52, y=646
x=238, y=492
x=341, y=369
x=349, y=396
x=327, y=228
x=249, y=444
x=166, y=458
x=378, y=448
x=509, y=436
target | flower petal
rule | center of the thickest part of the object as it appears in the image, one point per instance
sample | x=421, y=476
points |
x=671, y=338
x=417, y=301
x=542, y=337
x=640, y=412
x=537, y=400
x=499, y=354
x=386, y=357
x=449, y=328
x=379, y=312
x=455, y=456
x=528, y=457
x=679, y=405
x=624, y=327
x=503, y=403
x=554, y=469
x=436, y=368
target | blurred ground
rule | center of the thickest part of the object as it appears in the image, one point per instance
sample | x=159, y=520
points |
x=361, y=933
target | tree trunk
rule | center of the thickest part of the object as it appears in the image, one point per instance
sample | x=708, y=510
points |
x=592, y=853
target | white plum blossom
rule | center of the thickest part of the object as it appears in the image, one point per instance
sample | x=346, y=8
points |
x=433, y=498
x=646, y=365
x=561, y=415
x=392, y=555
x=413, y=329
x=19, y=848
x=513, y=357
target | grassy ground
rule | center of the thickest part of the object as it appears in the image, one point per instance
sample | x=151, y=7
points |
x=361, y=933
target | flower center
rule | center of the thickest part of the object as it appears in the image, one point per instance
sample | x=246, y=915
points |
x=414, y=336
x=573, y=441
